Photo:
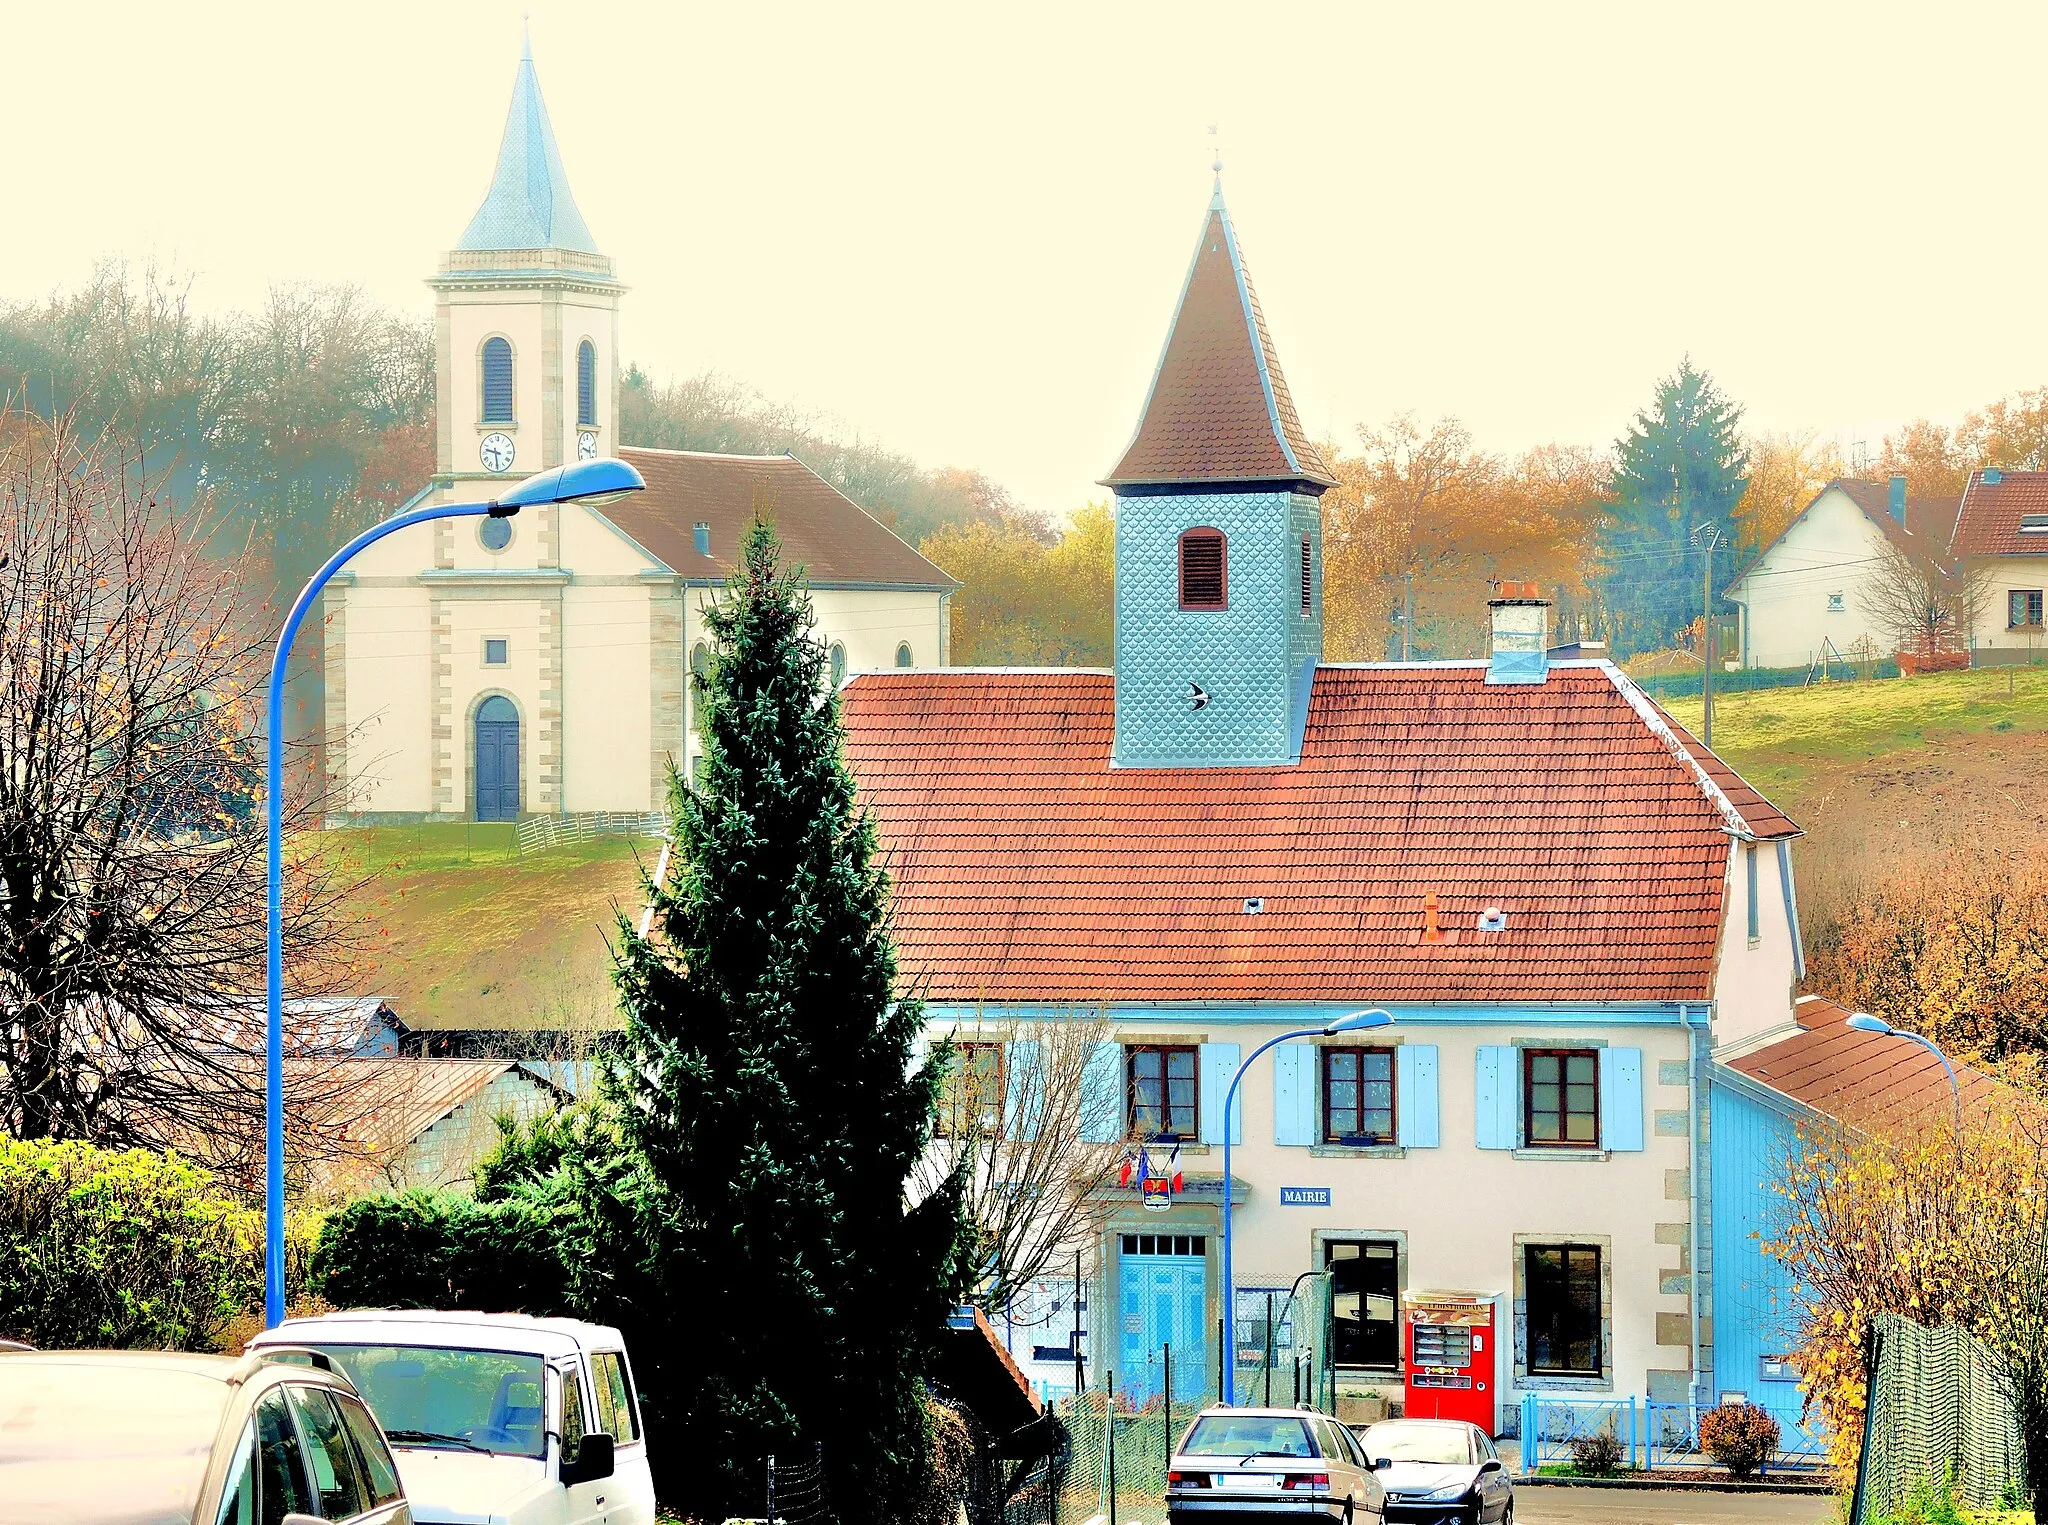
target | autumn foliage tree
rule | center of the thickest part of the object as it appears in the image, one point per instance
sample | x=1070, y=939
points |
x=1031, y=597
x=131, y=843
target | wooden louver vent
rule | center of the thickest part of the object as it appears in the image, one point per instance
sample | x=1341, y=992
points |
x=1204, y=579
x=1308, y=578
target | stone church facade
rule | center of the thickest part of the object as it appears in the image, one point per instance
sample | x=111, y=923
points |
x=502, y=668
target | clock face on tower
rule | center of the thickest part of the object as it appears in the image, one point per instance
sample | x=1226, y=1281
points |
x=496, y=452
x=586, y=446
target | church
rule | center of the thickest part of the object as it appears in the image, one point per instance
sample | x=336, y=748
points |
x=496, y=669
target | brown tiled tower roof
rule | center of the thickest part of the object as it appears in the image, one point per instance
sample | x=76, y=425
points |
x=1219, y=410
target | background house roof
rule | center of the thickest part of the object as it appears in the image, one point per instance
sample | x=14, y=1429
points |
x=1027, y=868
x=1929, y=521
x=1219, y=409
x=1989, y=524
x=1853, y=1076
x=836, y=539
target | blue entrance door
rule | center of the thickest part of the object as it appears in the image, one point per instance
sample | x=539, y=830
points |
x=1163, y=1302
x=497, y=760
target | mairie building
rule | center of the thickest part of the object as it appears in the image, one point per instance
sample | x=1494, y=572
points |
x=498, y=669
x=1565, y=902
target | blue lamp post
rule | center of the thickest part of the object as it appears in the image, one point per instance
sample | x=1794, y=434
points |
x=1864, y=1022
x=1355, y=1022
x=584, y=481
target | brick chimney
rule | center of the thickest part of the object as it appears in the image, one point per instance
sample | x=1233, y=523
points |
x=1521, y=634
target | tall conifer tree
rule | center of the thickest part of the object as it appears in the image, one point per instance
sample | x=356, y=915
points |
x=769, y=1090
x=1681, y=465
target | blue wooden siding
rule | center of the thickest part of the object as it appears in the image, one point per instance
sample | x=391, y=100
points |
x=1755, y=1300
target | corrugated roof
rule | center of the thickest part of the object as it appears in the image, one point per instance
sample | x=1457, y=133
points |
x=1219, y=409
x=529, y=205
x=1989, y=524
x=836, y=539
x=1027, y=868
x=1861, y=1077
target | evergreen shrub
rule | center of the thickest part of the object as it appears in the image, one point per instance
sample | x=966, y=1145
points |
x=120, y=1248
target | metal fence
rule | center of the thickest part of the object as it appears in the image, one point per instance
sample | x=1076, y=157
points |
x=539, y=833
x=1937, y=1416
x=1651, y=1435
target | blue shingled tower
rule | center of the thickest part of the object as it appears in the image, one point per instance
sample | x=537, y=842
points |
x=528, y=205
x=1219, y=540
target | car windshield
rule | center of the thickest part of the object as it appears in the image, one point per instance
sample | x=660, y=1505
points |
x=458, y=1400
x=1248, y=1435
x=1439, y=1443
x=143, y=1436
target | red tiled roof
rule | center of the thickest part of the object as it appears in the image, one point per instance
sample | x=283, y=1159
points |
x=1860, y=1077
x=1989, y=524
x=1027, y=868
x=833, y=537
x=1764, y=820
x=1219, y=410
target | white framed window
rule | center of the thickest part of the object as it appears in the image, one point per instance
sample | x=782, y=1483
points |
x=1834, y=603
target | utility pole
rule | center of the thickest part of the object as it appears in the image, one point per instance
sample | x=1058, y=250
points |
x=1407, y=610
x=1707, y=537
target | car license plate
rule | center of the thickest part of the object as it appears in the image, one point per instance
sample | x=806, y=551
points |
x=1249, y=1482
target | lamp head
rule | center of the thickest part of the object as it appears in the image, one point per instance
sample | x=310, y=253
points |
x=1359, y=1021
x=1864, y=1022
x=593, y=481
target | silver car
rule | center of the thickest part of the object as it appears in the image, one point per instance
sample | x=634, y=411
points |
x=121, y=1437
x=1439, y=1472
x=1268, y=1466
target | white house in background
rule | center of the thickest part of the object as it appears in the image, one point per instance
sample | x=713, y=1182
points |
x=2002, y=535
x=1802, y=596
x=489, y=669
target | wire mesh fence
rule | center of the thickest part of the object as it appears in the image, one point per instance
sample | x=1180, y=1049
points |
x=1936, y=1416
x=796, y=1492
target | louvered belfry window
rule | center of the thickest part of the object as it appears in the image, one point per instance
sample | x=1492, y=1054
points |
x=1204, y=570
x=1308, y=578
x=497, y=364
x=586, y=384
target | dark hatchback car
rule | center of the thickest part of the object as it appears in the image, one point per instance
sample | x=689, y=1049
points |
x=1439, y=1472
x=1270, y=1467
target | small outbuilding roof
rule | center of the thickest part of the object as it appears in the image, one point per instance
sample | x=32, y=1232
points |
x=1854, y=1076
x=838, y=542
x=1027, y=868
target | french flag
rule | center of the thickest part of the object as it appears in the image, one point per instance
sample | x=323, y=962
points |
x=1124, y=1169
x=1173, y=1167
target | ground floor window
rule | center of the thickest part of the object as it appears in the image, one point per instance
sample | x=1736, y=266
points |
x=1365, y=1302
x=2023, y=607
x=1562, y=1283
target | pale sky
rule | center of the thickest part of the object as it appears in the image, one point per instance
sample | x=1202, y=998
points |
x=960, y=229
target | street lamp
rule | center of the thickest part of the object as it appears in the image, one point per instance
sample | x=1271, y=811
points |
x=580, y=481
x=1353, y=1022
x=1864, y=1022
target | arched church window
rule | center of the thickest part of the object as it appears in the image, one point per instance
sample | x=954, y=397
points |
x=903, y=656
x=586, y=384
x=1204, y=570
x=838, y=664
x=497, y=365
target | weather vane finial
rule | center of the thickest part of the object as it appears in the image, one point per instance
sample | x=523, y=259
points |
x=1218, y=165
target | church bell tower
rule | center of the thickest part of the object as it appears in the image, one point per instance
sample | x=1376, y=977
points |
x=526, y=320
x=1219, y=538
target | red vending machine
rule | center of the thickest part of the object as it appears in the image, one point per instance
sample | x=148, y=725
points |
x=1447, y=1338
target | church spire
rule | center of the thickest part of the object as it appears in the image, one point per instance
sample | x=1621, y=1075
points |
x=1219, y=409
x=529, y=205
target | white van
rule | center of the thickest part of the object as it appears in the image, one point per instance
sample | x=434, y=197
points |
x=495, y=1418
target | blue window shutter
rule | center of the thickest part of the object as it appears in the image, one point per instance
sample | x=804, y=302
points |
x=1497, y=1096
x=1102, y=1095
x=1294, y=1094
x=1024, y=1092
x=1621, y=1098
x=1415, y=1109
x=1218, y=1065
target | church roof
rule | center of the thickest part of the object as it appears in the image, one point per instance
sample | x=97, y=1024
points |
x=834, y=538
x=1026, y=868
x=1219, y=409
x=528, y=205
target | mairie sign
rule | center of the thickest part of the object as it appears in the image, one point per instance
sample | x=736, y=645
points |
x=1304, y=1196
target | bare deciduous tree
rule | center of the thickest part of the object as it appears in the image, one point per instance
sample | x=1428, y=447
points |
x=131, y=833
x=1036, y=1131
x=1924, y=607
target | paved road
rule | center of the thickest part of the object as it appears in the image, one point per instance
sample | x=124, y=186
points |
x=1643, y=1506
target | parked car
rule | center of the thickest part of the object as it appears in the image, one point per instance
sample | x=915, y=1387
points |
x=495, y=1416
x=1439, y=1472
x=1249, y=1466
x=121, y=1437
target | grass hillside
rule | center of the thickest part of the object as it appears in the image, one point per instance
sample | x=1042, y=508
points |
x=473, y=935
x=1880, y=769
